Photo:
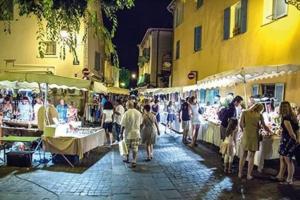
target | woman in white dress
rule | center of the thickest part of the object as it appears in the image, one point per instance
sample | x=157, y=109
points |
x=195, y=118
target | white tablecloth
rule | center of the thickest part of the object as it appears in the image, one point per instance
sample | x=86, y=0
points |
x=76, y=145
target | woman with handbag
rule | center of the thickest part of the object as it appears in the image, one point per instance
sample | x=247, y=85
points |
x=251, y=121
x=288, y=142
x=195, y=118
x=149, y=131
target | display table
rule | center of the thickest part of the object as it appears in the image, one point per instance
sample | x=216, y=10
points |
x=19, y=123
x=75, y=144
x=19, y=128
x=268, y=150
x=210, y=132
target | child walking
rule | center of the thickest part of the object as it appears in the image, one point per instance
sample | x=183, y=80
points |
x=228, y=149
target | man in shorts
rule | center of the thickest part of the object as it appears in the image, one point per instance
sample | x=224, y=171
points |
x=184, y=118
x=131, y=124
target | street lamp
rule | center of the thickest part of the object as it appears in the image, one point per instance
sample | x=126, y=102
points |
x=122, y=84
x=64, y=34
x=133, y=76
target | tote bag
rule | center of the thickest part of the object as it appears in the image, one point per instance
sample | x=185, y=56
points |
x=123, y=148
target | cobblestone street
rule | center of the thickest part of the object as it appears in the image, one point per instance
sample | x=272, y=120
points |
x=175, y=173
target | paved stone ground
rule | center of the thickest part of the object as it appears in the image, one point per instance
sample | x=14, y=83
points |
x=176, y=172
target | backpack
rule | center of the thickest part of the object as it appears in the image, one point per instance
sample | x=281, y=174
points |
x=222, y=114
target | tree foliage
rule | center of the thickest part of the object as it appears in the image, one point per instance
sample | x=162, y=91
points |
x=67, y=15
x=124, y=77
x=295, y=3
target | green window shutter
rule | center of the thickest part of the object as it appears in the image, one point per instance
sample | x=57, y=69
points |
x=244, y=16
x=197, y=38
x=97, y=61
x=199, y=3
x=178, y=49
x=279, y=92
x=226, y=27
x=280, y=8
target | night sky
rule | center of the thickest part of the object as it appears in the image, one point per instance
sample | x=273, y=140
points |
x=133, y=24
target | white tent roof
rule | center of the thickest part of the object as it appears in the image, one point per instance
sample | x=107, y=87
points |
x=246, y=74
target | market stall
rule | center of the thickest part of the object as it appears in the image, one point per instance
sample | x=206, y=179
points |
x=78, y=142
x=233, y=79
x=14, y=122
x=74, y=143
x=216, y=91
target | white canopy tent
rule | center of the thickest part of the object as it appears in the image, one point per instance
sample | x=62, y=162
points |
x=245, y=75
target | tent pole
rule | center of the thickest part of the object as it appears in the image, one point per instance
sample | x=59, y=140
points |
x=46, y=95
x=245, y=95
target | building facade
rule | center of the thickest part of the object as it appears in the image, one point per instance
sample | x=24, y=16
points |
x=19, y=49
x=212, y=36
x=155, y=58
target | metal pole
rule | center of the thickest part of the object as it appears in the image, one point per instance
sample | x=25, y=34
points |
x=46, y=95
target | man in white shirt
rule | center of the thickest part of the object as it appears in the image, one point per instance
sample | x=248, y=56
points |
x=131, y=123
x=118, y=114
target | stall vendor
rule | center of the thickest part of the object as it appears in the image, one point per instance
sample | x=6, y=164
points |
x=72, y=112
x=25, y=110
x=37, y=106
x=62, y=110
x=269, y=113
x=7, y=109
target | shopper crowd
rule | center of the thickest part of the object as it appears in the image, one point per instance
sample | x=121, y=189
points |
x=250, y=122
x=26, y=108
x=133, y=121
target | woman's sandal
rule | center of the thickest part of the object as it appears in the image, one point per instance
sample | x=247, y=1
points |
x=133, y=165
x=290, y=182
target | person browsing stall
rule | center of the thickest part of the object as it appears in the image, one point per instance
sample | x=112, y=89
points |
x=25, y=110
x=184, y=118
x=62, y=110
x=288, y=142
x=118, y=114
x=107, y=121
x=251, y=122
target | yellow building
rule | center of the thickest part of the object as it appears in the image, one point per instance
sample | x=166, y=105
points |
x=155, y=62
x=213, y=36
x=19, y=49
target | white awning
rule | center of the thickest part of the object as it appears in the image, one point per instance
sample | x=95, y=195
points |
x=190, y=88
x=245, y=75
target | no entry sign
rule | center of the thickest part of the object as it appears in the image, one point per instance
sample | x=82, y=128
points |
x=191, y=75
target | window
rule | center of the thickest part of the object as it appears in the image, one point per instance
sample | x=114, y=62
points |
x=255, y=90
x=274, y=9
x=6, y=10
x=235, y=19
x=50, y=48
x=179, y=13
x=146, y=52
x=177, y=49
x=199, y=3
x=210, y=96
x=202, y=96
x=197, y=38
x=97, y=61
x=275, y=91
x=279, y=92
